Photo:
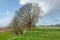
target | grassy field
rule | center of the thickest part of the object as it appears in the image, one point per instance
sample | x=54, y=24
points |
x=41, y=33
x=5, y=36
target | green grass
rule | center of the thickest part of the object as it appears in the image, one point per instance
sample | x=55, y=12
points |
x=42, y=33
x=5, y=36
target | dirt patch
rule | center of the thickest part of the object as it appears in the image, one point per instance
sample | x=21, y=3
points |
x=4, y=30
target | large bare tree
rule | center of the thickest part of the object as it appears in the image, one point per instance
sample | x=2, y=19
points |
x=26, y=18
x=30, y=14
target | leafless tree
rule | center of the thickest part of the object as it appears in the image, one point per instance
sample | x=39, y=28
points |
x=16, y=26
x=25, y=18
x=30, y=14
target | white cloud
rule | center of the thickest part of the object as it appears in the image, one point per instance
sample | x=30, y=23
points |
x=47, y=5
x=6, y=18
x=58, y=18
x=23, y=1
x=4, y=21
x=42, y=4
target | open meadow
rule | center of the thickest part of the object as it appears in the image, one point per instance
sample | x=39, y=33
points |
x=6, y=35
x=40, y=33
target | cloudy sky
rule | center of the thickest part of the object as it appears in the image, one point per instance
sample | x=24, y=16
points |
x=51, y=9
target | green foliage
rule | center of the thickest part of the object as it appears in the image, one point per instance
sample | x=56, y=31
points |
x=42, y=33
x=5, y=35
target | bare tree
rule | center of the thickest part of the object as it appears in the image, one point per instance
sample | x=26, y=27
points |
x=30, y=14
x=25, y=18
x=17, y=25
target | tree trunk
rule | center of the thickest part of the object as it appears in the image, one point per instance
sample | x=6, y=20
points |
x=17, y=34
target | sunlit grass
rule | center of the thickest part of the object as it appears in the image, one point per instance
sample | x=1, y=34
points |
x=6, y=35
x=41, y=33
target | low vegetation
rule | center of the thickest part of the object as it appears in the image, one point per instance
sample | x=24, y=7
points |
x=6, y=35
x=42, y=33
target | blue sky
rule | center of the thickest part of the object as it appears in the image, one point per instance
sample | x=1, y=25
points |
x=7, y=10
x=50, y=8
